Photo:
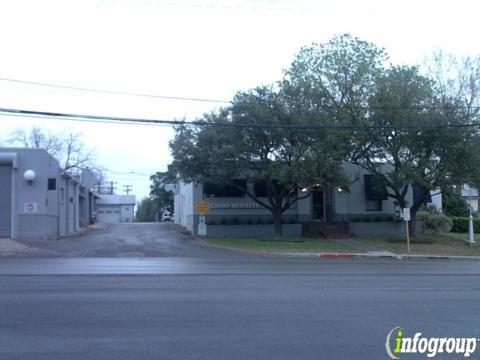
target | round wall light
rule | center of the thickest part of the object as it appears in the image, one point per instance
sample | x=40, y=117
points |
x=29, y=175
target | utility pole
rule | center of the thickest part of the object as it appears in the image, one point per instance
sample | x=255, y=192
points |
x=98, y=187
x=127, y=188
x=112, y=188
x=471, y=236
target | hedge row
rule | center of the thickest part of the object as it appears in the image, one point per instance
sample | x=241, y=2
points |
x=460, y=224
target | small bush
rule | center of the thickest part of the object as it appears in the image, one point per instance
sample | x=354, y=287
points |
x=211, y=222
x=292, y=221
x=460, y=224
x=235, y=221
x=249, y=222
x=435, y=222
x=259, y=221
x=224, y=221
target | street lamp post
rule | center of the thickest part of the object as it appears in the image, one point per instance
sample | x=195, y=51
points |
x=471, y=238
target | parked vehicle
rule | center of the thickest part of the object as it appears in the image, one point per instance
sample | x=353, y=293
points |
x=167, y=216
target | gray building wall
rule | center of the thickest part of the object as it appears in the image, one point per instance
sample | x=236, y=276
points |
x=339, y=205
x=113, y=209
x=352, y=203
x=37, y=211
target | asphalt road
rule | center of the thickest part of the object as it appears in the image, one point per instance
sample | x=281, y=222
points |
x=129, y=240
x=211, y=305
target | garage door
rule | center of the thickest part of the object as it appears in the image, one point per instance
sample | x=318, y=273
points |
x=5, y=200
x=105, y=216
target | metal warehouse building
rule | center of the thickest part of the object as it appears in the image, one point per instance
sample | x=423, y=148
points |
x=114, y=209
x=38, y=199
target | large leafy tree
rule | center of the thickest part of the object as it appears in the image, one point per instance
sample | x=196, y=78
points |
x=260, y=138
x=347, y=81
x=162, y=197
x=453, y=203
x=413, y=138
x=334, y=80
x=147, y=210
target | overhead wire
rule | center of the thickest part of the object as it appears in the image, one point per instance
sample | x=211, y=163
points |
x=114, y=92
x=222, y=101
x=200, y=123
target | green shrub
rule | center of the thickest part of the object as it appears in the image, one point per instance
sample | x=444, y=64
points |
x=224, y=221
x=460, y=224
x=211, y=222
x=435, y=222
x=259, y=221
x=249, y=222
x=235, y=221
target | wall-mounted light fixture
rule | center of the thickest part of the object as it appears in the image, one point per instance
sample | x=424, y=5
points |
x=340, y=190
x=29, y=176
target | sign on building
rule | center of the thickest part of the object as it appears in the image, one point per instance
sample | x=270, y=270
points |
x=30, y=207
x=202, y=207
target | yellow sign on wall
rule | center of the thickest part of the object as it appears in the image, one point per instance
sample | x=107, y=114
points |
x=202, y=207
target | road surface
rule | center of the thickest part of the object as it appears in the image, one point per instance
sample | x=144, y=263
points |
x=207, y=304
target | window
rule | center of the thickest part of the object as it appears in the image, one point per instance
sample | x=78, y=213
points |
x=375, y=188
x=225, y=190
x=261, y=188
x=375, y=193
x=52, y=184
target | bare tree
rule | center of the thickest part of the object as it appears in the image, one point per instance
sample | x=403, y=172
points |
x=457, y=81
x=69, y=149
x=36, y=138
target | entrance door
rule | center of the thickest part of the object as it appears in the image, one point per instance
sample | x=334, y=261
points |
x=5, y=201
x=318, y=205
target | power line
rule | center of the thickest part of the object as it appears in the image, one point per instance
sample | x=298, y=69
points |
x=164, y=97
x=84, y=120
x=218, y=101
x=135, y=173
x=120, y=120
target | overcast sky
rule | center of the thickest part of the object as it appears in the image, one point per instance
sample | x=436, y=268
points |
x=200, y=49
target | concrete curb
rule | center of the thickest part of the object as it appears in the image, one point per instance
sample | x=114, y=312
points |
x=341, y=256
x=392, y=256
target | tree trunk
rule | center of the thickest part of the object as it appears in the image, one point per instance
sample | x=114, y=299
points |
x=277, y=223
x=412, y=224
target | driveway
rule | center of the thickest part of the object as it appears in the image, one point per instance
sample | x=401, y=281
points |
x=129, y=240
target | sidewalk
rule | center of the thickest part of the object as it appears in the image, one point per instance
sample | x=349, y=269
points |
x=13, y=248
